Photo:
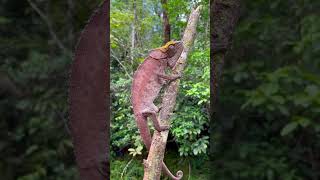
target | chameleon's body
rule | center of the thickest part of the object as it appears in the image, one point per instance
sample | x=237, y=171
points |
x=88, y=98
x=147, y=83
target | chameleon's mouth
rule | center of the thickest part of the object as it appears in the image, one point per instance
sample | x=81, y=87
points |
x=179, y=44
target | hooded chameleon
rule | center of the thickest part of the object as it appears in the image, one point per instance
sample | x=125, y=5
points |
x=147, y=83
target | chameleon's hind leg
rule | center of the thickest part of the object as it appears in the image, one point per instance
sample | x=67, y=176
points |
x=156, y=108
x=156, y=123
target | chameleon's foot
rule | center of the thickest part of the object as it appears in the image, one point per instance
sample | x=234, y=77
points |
x=146, y=163
x=164, y=128
x=178, y=76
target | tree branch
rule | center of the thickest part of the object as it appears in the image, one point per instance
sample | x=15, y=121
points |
x=118, y=60
x=50, y=28
x=159, y=140
x=166, y=23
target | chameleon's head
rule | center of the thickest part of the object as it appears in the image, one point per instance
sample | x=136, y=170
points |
x=170, y=49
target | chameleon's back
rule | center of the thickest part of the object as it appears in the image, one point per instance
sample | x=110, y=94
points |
x=145, y=86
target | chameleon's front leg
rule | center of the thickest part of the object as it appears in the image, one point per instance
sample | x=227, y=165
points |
x=169, y=77
x=156, y=122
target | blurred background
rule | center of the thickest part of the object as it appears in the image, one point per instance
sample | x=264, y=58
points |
x=37, y=40
x=268, y=123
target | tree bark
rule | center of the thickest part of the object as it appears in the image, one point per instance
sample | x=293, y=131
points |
x=159, y=140
x=166, y=23
x=133, y=33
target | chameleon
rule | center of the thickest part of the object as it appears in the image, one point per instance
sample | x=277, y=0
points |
x=88, y=98
x=147, y=82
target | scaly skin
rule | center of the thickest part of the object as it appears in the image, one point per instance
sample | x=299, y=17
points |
x=147, y=83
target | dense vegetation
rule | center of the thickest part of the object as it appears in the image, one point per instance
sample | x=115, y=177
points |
x=268, y=123
x=35, y=57
x=267, y=126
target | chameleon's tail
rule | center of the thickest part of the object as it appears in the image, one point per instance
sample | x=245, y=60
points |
x=178, y=176
x=146, y=138
x=142, y=124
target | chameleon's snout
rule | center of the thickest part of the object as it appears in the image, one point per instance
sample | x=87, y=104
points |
x=179, y=43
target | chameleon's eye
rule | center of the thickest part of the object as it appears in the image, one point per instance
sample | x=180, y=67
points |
x=171, y=46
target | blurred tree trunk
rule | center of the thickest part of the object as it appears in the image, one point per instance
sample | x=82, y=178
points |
x=224, y=16
x=133, y=32
x=166, y=23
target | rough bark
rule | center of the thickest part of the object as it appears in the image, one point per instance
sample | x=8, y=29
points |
x=166, y=23
x=159, y=140
x=88, y=101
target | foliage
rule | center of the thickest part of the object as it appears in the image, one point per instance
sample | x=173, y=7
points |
x=195, y=168
x=35, y=143
x=267, y=125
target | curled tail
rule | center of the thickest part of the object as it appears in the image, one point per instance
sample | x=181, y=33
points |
x=142, y=124
x=178, y=176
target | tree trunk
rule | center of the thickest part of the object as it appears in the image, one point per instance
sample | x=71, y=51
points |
x=223, y=18
x=156, y=153
x=133, y=33
x=166, y=23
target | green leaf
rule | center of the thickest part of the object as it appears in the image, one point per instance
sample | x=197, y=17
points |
x=312, y=90
x=31, y=149
x=303, y=121
x=289, y=128
x=269, y=88
x=278, y=99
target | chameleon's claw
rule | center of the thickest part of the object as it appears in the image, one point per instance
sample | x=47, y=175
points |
x=164, y=127
x=179, y=75
x=146, y=163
